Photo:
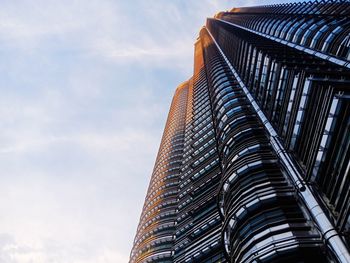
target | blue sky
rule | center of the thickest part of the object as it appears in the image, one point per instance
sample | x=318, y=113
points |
x=85, y=90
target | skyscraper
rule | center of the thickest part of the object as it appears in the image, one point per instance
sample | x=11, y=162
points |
x=254, y=163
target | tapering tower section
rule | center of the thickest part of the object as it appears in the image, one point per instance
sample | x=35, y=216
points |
x=254, y=164
x=155, y=234
x=198, y=231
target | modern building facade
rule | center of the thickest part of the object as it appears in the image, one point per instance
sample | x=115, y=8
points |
x=254, y=163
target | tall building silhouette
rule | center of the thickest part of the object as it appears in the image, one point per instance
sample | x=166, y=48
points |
x=254, y=163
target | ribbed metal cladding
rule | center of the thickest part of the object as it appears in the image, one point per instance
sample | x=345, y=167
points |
x=296, y=79
x=262, y=219
x=264, y=169
x=198, y=230
x=295, y=61
x=155, y=234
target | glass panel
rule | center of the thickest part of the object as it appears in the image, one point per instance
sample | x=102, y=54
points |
x=290, y=104
x=300, y=114
x=325, y=137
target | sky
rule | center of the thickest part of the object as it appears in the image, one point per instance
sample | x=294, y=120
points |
x=85, y=89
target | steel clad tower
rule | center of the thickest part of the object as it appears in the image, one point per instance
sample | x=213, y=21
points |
x=154, y=239
x=254, y=164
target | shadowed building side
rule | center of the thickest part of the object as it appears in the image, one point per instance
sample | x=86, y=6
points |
x=198, y=231
x=263, y=221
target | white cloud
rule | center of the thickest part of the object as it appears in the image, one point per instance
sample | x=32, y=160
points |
x=12, y=252
x=158, y=31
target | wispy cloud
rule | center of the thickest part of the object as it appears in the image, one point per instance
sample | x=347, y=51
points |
x=51, y=251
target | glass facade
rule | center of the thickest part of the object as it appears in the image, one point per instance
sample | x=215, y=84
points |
x=254, y=165
x=154, y=240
